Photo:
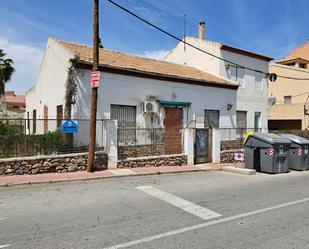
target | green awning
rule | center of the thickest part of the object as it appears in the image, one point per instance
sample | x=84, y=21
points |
x=174, y=103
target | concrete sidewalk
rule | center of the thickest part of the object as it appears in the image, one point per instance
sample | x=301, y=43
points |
x=83, y=175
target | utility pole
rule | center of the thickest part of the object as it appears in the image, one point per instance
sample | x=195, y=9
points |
x=94, y=97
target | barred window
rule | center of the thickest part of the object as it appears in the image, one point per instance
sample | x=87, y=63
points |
x=212, y=118
x=126, y=117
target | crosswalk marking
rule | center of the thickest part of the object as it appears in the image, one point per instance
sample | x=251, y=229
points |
x=183, y=204
x=4, y=246
x=205, y=224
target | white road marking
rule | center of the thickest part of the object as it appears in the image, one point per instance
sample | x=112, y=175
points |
x=3, y=246
x=205, y=224
x=183, y=204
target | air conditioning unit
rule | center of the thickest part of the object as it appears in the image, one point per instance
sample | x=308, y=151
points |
x=150, y=106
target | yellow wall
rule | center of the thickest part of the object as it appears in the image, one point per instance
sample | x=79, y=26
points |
x=298, y=89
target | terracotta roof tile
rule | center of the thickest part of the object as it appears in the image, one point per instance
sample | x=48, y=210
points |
x=301, y=52
x=14, y=99
x=131, y=62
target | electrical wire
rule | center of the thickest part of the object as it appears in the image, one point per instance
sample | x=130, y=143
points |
x=294, y=96
x=197, y=48
x=180, y=18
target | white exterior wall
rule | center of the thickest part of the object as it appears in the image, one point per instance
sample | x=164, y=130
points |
x=129, y=90
x=119, y=90
x=248, y=98
x=195, y=58
x=50, y=87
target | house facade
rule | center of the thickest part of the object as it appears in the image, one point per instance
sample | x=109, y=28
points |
x=252, y=94
x=12, y=105
x=139, y=93
x=288, y=107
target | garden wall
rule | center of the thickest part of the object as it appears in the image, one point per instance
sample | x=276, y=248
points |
x=154, y=161
x=125, y=151
x=227, y=156
x=232, y=144
x=53, y=163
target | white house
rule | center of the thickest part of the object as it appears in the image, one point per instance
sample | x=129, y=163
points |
x=138, y=92
x=252, y=96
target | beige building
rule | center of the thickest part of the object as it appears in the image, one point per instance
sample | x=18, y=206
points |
x=288, y=97
x=12, y=105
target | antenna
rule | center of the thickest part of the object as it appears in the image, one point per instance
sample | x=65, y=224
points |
x=184, y=31
x=184, y=36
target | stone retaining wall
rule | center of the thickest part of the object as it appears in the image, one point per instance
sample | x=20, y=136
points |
x=125, y=151
x=232, y=144
x=227, y=156
x=47, y=164
x=154, y=161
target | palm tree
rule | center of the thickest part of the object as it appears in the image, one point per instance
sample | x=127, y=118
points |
x=6, y=71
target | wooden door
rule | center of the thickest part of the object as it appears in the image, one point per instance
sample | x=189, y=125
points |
x=173, y=123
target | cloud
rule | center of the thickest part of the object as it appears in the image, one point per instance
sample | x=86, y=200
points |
x=155, y=54
x=146, y=13
x=27, y=60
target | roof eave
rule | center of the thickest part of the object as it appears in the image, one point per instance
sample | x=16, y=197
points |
x=246, y=53
x=288, y=60
x=153, y=75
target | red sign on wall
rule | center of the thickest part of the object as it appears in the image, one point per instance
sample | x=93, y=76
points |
x=95, y=79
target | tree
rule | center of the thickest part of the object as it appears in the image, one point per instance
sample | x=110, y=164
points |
x=6, y=71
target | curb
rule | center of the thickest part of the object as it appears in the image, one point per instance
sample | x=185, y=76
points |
x=103, y=177
x=241, y=171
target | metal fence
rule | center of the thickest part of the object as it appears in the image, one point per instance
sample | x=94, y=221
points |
x=30, y=137
x=139, y=142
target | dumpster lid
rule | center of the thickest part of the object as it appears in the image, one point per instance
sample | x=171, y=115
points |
x=270, y=138
x=296, y=139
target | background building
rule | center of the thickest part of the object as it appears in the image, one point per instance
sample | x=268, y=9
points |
x=288, y=97
x=12, y=105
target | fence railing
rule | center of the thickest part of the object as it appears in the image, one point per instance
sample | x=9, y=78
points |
x=139, y=142
x=30, y=137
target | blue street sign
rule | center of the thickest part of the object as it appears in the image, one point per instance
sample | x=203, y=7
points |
x=69, y=126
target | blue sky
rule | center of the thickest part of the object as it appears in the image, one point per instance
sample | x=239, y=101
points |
x=270, y=27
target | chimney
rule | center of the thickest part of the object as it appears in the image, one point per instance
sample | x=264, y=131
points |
x=201, y=30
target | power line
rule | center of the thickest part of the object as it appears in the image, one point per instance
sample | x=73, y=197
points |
x=197, y=48
x=293, y=96
x=179, y=16
x=178, y=39
x=291, y=78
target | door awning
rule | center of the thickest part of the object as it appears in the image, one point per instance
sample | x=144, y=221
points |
x=174, y=103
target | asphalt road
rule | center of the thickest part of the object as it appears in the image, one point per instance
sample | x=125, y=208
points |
x=189, y=210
